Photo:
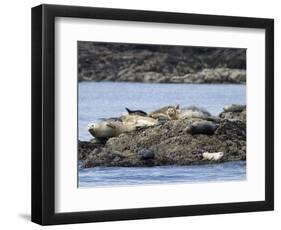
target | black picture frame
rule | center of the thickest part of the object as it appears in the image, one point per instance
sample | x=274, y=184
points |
x=43, y=114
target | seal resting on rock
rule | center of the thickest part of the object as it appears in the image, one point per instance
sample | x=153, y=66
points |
x=113, y=128
x=111, y=119
x=196, y=112
x=234, y=108
x=234, y=112
x=212, y=156
x=166, y=113
x=139, y=121
x=194, y=108
x=164, y=109
x=202, y=127
x=105, y=129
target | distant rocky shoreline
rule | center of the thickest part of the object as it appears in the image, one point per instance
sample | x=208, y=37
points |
x=160, y=64
x=187, y=140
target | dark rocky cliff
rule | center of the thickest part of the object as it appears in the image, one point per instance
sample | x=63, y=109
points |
x=159, y=63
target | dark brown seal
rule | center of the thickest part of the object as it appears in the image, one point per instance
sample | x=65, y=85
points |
x=202, y=127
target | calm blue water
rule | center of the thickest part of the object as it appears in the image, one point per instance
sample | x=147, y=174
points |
x=118, y=176
x=108, y=99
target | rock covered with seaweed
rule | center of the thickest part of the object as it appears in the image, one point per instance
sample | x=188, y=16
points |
x=181, y=140
x=99, y=61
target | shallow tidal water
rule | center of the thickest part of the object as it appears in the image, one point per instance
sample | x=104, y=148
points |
x=108, y=99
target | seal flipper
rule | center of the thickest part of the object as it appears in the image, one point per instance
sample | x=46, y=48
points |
x=136, y=112
x=129, y=111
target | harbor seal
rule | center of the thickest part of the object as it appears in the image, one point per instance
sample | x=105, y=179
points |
x=166, y=113
x=234, y=108
x=111, y=119
x=139, y=121
x=164, y=109
x=196, y=109
x=202, y=127
x=105, y=129
x=195, y=112
x=136, y=112
x=234, y=112
x=113, y=127
x=212, y=156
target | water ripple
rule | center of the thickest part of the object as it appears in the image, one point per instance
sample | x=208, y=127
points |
x=113, y=176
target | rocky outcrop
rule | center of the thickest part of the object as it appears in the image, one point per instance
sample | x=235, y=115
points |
x=217, y=75
x=160, y=64
x=168, y=143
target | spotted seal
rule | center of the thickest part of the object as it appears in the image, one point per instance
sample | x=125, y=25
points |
x=167, y=112
x=195, y=108
x=193, y=112
x=107, y=129
x=202, y=127
x=234, y=108
x=138, y=121
x=114, y=127
x=164, y=109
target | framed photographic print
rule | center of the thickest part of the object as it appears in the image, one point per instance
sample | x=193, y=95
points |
x=141, y=114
